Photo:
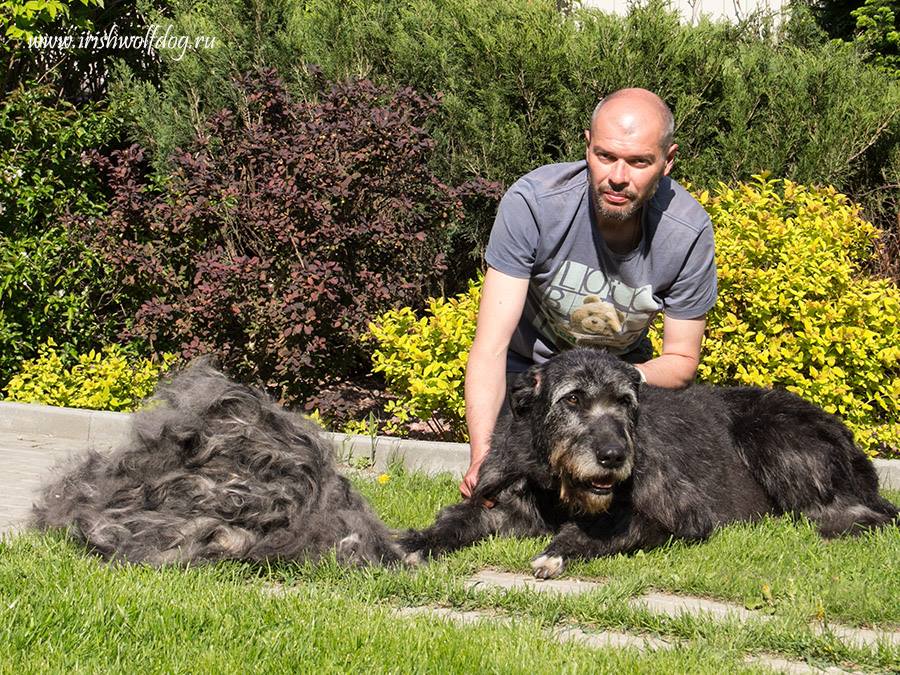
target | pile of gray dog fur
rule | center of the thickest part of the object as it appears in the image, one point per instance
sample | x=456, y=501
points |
x=214, y=470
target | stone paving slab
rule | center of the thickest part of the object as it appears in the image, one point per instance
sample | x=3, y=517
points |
x=491, y=579
x=597, y=640
x=862, y=637
x=781, y=665
x=608, y=639
x=457, y=616
x=673, y=605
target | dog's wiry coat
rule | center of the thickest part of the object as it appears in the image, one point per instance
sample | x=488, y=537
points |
x=609, y=465
x=215, y=470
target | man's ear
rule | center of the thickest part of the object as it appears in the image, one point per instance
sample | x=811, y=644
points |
x=670, y=159
x=524, y=390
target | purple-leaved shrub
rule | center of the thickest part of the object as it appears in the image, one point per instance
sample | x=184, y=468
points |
x=281, y=230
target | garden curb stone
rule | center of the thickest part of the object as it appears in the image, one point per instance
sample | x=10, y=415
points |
x=103, y=430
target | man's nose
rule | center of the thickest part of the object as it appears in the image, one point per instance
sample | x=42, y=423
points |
x=618, y=173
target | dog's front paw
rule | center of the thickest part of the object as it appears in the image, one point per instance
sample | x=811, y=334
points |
x=548, y=566
x=414, y=547
x=351, y=551
x=413, y=558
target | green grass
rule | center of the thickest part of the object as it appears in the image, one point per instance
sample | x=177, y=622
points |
x=63, y=610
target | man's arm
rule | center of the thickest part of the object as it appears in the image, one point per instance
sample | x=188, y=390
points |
x=677, y=365
x=502, y=301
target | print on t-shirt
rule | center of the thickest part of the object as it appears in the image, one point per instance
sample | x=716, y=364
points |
x=583, y=306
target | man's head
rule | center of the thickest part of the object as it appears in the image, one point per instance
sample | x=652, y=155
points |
x=629, y=149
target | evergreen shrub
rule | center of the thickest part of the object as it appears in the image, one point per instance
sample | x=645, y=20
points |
x=111, y=379
x=795, y=310
x=281, y=231
x=878, y=33
x=49, y=283
x=519, y=79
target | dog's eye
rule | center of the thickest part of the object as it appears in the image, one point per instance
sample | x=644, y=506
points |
x=573, y=400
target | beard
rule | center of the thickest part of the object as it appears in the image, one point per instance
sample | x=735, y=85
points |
x=606, y=212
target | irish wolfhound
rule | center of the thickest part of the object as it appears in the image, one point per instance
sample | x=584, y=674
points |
x=609, y=465
x=215, y=470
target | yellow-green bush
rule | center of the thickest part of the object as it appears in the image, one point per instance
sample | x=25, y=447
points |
x=795, y=310
x=424, y=361
x=107, y=380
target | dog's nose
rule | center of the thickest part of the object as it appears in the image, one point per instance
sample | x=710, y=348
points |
x=611, y=458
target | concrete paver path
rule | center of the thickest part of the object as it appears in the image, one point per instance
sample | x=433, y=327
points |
x=25, y=462
x=670, y=604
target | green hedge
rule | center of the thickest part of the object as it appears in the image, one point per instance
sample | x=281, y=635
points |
x=424, y=360
x=50, y=284
x=519, y=79
x=794, y=311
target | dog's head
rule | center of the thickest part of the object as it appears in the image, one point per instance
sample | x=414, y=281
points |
x=582, y=406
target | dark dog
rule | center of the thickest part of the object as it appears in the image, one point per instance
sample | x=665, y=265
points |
x=215, y=470
x=610, y=465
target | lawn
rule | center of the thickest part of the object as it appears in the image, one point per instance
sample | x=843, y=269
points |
x=63, y=610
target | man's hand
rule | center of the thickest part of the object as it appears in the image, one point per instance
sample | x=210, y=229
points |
x=471, y=478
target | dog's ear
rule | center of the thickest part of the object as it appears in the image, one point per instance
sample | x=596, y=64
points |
x=637, y=379
x=523, y=390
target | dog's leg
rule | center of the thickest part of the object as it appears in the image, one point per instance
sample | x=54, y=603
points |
x=596, y=538
x=456, y=526
x=470, y=521
x=843, y=518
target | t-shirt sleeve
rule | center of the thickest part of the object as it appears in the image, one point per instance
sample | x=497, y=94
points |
x=693, y=292
x=514, y=237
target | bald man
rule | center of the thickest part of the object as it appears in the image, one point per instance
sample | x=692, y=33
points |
x=588, y=253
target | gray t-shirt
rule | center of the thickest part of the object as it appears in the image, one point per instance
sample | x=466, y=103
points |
x=581, y=293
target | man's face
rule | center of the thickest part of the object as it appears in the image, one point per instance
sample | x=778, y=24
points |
x=626, y=162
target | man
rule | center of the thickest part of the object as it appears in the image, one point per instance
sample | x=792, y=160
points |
x=588, y=253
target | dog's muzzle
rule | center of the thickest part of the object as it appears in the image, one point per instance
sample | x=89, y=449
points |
x=587, y=476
